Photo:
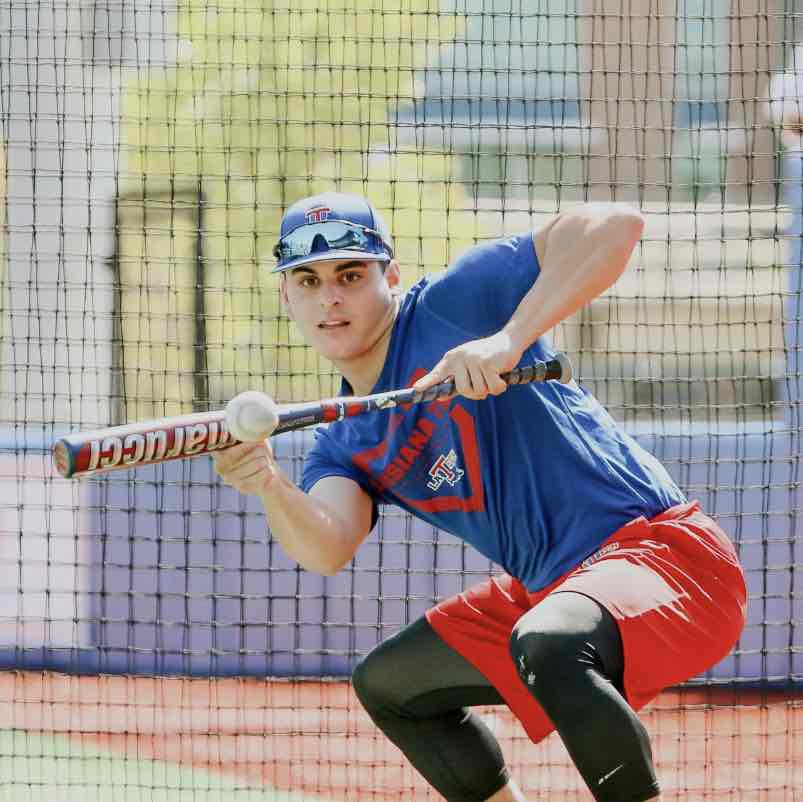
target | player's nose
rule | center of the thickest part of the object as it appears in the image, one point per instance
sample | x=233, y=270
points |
x=330, y=296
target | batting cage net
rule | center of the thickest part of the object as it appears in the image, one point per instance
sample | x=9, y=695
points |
x=156, y=644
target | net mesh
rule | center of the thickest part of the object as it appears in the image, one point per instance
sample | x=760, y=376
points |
x=155, y=643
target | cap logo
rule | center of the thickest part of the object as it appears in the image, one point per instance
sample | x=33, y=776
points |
x=317, y=214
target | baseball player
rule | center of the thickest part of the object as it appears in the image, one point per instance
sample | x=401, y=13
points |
x=615, y=586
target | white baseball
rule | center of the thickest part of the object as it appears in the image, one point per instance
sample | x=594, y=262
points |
x=252, y=416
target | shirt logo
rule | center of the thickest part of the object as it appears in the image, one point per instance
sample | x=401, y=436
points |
x=445, y=469
x=397, y=466
x=317, y=214
x=606, y=777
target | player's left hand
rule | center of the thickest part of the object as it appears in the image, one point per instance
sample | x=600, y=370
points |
x=475, y=366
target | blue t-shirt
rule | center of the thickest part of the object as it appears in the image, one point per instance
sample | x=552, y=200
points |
x=535, y=478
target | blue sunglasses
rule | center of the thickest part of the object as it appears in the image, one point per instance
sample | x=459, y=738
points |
x=332, y=235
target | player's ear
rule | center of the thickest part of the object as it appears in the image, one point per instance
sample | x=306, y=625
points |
x=283, y=295
x=393, y=274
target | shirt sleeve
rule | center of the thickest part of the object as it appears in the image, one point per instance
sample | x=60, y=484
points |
x=480, y=291
x=325, y=459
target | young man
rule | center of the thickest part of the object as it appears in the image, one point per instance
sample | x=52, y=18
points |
x=616, y=586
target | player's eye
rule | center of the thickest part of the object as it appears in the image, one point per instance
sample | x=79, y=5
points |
x=308, y=282
x=350, y=276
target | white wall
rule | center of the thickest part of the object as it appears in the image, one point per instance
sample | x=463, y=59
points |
x=62, y=67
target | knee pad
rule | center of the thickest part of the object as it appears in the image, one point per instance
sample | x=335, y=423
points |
x=545, y=658
x=564, y=637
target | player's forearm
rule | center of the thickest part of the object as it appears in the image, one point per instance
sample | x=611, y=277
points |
x=563, y=287
x=307, y=528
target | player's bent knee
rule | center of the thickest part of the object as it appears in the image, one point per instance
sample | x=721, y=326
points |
x=558, y=642
x=541, y=645
x=377, y=684
x=541, y=656
x=370, y=683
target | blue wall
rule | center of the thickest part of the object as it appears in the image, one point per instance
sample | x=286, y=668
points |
x=184, y=579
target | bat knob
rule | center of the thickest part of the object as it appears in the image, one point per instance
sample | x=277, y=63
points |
x=252, y=416
x=566, y=370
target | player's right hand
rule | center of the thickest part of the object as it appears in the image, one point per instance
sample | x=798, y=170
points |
x=475, y=366
x=247, y=467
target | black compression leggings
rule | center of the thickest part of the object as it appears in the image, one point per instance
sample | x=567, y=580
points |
x=569, y=654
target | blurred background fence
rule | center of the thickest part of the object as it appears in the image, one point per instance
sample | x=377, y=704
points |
x=148, y=150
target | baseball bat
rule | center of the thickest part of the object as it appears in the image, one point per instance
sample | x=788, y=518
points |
x=149, y=442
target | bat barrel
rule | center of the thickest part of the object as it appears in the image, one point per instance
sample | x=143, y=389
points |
x=141, y=444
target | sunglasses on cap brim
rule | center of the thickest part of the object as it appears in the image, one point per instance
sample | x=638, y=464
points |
x=332, y=235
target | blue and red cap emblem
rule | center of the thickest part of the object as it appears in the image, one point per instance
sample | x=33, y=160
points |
x=329, y=227
x=317, y=214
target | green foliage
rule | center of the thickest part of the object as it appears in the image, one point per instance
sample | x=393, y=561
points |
x=271, y=101
x=542, y=177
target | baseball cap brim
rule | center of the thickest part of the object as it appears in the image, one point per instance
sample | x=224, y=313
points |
x=333, y=256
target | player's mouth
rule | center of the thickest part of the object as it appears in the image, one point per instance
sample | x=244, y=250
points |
x=333, y=324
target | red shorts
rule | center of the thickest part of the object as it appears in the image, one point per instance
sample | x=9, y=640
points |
x=673, y=584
